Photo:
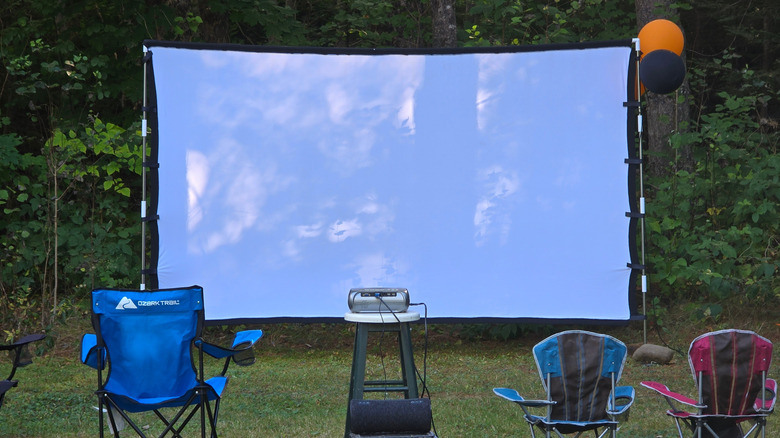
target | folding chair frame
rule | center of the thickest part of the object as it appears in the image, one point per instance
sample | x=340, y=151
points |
x=107, y=404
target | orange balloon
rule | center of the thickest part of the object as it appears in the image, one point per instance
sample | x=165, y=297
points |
x=661, y=34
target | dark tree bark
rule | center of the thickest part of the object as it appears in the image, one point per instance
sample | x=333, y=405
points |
x=664, y=115
x=444, y=28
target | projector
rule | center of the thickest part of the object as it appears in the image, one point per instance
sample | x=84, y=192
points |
x=367, y=300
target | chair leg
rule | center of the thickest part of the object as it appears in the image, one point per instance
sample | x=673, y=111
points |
x=203, y=401
x=177, y=431
x=100, y=414
x=111, y=407
x=104, y=404
x=679, y=429
x=709, y=429
x=113, y=422
x=213, y=417
x=757, y=430
x=171, y=426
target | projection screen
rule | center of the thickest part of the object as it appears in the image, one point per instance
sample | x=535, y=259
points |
x=494, y=184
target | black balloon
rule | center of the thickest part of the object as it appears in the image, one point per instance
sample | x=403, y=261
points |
x=662, y=71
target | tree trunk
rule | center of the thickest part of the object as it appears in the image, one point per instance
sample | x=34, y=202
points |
x=664, y=114
x=444, y=28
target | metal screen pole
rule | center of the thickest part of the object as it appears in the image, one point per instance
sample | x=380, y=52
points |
x=638, y=88
x=143, y=179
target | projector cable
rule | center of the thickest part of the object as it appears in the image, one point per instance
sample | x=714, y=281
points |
x=382, y=335
x=424, y=377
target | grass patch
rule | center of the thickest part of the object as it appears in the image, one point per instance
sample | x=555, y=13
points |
x=299, y=385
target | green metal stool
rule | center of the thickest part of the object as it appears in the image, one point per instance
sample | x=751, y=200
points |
x=384, y=322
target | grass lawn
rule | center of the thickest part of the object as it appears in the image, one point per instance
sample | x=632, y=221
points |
x=299, y=385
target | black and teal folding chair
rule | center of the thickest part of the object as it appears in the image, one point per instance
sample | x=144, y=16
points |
x=19, y=358
x=149, y=356
x=580, y=371
x=735, y=395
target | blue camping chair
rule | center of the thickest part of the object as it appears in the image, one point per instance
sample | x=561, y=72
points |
x=148, y=353
x=579, y=371
x=19, y=358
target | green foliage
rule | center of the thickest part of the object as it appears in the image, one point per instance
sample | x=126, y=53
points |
x=514, y=22
x=713, y=231
x=22, y=194
x=377, y=23
x=501, y=332
x=50, y=82
x=72, y=196
x=71, y=100
x=706, y=312
x=657, y=312
x=67, y=179
x=99, y=238
x=258, y=22
x=188, y=24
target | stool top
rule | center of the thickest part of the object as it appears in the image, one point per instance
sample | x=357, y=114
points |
x=381, y=317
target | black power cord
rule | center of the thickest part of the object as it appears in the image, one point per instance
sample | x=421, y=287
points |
x=424, y=377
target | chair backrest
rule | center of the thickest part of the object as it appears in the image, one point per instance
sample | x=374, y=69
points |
x=148, y=337
x=729, y=367
x=577, y=369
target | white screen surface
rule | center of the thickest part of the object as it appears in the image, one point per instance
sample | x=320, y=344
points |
x=490, y=185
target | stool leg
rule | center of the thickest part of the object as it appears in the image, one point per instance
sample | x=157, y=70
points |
x=358, y=376
x=407, y=361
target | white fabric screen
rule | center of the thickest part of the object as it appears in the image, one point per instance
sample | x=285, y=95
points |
x=491, y=185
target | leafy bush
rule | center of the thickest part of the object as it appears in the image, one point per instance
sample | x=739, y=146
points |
x=64, y=220
x=713, y=230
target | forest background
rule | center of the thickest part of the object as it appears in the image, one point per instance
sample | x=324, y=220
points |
x=70, y=120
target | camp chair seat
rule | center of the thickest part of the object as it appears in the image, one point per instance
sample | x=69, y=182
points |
x=214, y=385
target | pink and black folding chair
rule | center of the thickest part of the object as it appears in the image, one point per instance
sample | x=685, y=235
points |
x=734, y=393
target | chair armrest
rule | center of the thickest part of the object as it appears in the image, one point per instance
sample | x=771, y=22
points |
x=246, y=339
x=90, y=351
x=672, y=396
x=241, y=348
x=624, y=398
x=765, y=405
x=513, y=396
x=28, y=339
x=21, y=359
x=6, y=385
